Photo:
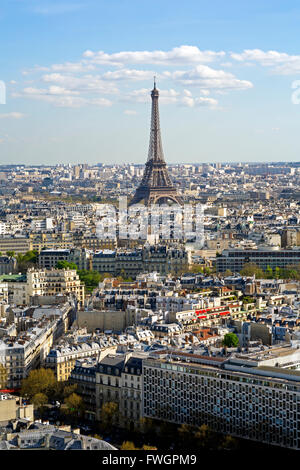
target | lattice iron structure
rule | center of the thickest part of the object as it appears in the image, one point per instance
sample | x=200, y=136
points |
x=156, y=186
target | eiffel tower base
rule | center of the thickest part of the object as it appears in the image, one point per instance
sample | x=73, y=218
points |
x=156, y=196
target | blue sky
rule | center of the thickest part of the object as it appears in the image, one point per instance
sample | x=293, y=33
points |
x=78, y=75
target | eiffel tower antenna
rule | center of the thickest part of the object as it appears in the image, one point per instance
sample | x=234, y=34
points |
x=156, y=186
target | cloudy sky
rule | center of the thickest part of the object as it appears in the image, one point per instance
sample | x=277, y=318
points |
x=78, y=76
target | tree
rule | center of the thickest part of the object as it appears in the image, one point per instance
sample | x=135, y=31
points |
x=207, y=270
x=24, y=262
x=63, y=264
x=230, y=340
x=196, y=268
x=204, y=436
x=185, y=432
x=68, y=390
x=128, y=445
x=228, y=273
x=109, y=413
x=91, y=279
x=39, y=400
x=269, y=272
x=229, y=443
x=74, y=404
x=147, y=425
x=277, y=272
x=251, y=269
x=10, y=253
x=38, y=381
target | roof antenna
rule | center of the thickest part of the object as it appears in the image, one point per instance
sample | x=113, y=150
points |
x=154, y=82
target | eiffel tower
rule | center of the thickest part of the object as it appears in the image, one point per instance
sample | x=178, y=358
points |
x=156, y=186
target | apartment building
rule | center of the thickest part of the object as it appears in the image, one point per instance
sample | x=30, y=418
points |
x=28, y=347
x=62, y=359
x=119, y=380
x=49, y=258
x=235, y=259
x=159, y=258
x=8, y=264
x=19, y=356
x=41, y=282
x=83, y=375
x=16, y=288
x=255, y=397
x=81, y=257
x=19, y=245
x=60, y=240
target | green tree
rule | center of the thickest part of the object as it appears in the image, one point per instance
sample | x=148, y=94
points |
x=230, y=340
x=109, y=412
x=69, y=389
x=277, y=272
x=24, y=262
x=249, y=269
x=39, y=400
x=269, y=272
x=63, y=264
x=38, y=381
x=207, y=270
x=91, y=279
x=228, y=273
x=247, y=299
x=74, y=404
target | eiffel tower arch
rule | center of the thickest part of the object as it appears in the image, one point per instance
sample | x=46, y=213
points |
x=156, y=186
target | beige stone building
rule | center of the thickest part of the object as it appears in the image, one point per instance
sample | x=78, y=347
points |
x=105, y=320
x=119, y=380
x=12, y=408
x=62, y=359
x=54, y=282
x=20, y=245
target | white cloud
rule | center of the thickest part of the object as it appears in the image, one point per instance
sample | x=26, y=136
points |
x=12, y=115
x=128, y=74
x=282, y=63
x=130, y=112
x=181, y=55
x=52, y=90
x=200, y=101
x=61, y=97
x=76, y=84
x=206, y=77
x=86, y=83
x=171, y=97
x=52, y=8
x=143, y=96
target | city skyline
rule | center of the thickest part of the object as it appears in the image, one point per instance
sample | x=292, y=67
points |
x=225, y=95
